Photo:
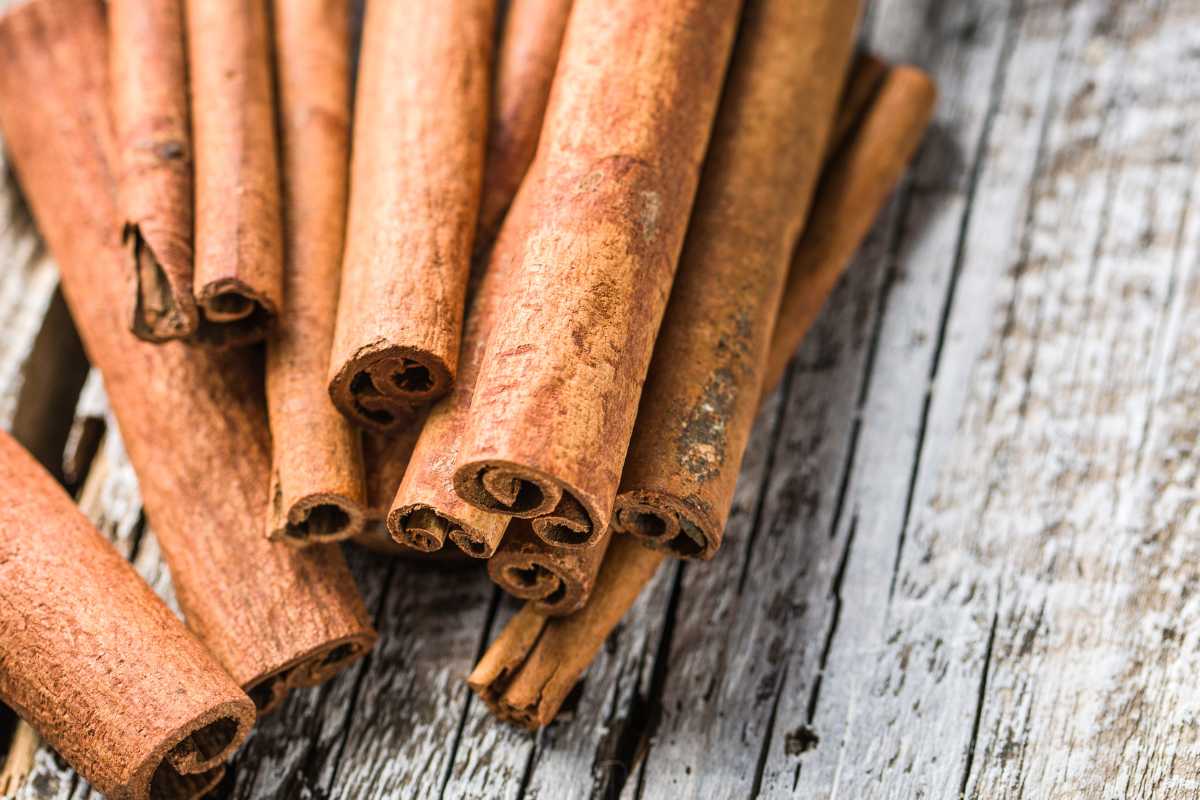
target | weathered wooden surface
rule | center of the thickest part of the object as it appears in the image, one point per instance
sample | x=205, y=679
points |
x=962, y=558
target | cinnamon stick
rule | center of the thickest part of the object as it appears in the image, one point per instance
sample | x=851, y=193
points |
x=94, y=660
x=192, y=419
x=610, y=191
x=525, y=62
x=533, y=664
x=853, y=191
x=702, y=392
x=150, y=112
x=239, y=263
x=317, y=490
x=556, y=580
x=421, y=122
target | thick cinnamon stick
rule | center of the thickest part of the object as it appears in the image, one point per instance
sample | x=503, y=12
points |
x=854, y=189
x=150, y=112
x=94, y=661
x=525, y=62
x=765, y=159
x=192, y=419
x=419, y=139
x=317, y=490
x=610, y=192
x=239, y=242
x=529, y=670
x=556, y=580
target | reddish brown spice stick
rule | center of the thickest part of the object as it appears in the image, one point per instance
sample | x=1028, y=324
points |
x=610, y=192
x=556, y=580
x=529, y=670
x=192, y=419
x=317, y=475
x=238, y=275
x=150, y=112
x=702, y=392
x=93, y=660
x=525, y=62
x=419, y=139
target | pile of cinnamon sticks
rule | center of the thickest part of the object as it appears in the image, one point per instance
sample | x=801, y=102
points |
x=519, y=305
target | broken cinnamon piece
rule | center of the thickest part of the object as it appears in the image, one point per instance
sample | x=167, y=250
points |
x=702, y=391
x=417, y=166
x=317, y=490
x=526, y=58
x=192, y=419
x=150, y=113
x=92, y=658
x=610, y=192
x=238, y=276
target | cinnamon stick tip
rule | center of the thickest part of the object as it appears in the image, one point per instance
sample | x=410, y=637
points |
x=659, y=521
x=317, y=666
x=419, y=526
x=380, y=387
x=163, y=310
x=318, y=518
x=535, y=578
x=233, y=314
x=189, y=763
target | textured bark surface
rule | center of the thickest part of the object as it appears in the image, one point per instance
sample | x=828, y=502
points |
x=317, y=492
x=419, y=140
x=150, y=102
x=238, y=275
x=608, y=200
x=526, y=58
x=1044, y=248
x=702, y=389
x=206, y=494
x=94, y=660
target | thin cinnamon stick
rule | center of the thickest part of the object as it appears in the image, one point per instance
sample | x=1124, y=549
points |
x=525, y=62
x=853, y=191
x=556, y=580
x=94, y=661
x=192, y=419
x=702, y=392
x=238, y=275
x=317, y=490
x=419, y=139
x=611, y=188
x=529, y=670
x=150, y=112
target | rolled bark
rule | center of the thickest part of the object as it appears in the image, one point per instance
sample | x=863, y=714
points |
x=192, y=419
x=151, y=116
x=417, y=167
x=853, y=190
x=238, y=275
x=535, y=662
x=610, y=192
x=529, y=670
x=317, y=492
x=94, y=660
x=555, y=580
x=702, y=391
x=525, y=62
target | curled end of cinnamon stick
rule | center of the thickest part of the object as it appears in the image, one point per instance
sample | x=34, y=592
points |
x=379, y=387
x=268, y=691
x=420, y=527
x=232, y=314
x=163, y=309
x=318, y=519
x=559, y=517
x=659, y=521
x=190, y=764
x=543, y=580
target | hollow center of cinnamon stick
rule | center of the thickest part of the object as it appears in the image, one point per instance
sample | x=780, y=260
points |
x=203, y=745
x=229, y=306
x=321, y=521
x=412, y=377
x=510, y=491
x=526, y=577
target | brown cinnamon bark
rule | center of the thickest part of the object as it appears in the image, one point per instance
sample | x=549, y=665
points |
x=853, y=190
x=239, y=242
x=150, y=112
x=317, y=490
x=556, y=580
x=192, y=419
x=610, y=192
x=94, y=661
x=702, y=392
x=525, y=62
x=419, y=139
x=529, y=670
